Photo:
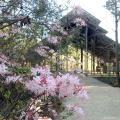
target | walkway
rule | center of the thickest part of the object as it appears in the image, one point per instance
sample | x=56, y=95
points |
x=104, y=102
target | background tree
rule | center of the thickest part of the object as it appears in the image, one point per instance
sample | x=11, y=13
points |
x=114, y=7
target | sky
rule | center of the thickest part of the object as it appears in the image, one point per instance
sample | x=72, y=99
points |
x=96, y=8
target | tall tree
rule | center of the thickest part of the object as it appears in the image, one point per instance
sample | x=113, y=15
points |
x=114, y=7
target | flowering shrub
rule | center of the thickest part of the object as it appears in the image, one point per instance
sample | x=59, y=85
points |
x=43, y=83
x=79, y=22
x=34, y=93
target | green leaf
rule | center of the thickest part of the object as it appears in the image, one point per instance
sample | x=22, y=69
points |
x=7, y=94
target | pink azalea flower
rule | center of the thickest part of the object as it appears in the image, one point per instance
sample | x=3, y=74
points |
x=34, y=87
x=51, y=51
x=41, y=52
x=31, y=115
x=43, y=82
x=3, y=69
x=53, y=40
x=79, y=22
x=3, y=58
x=57, y=27
x=3, y=35
x=83, y=94
x=78, y=110
x=13, y=79
x=51, y=83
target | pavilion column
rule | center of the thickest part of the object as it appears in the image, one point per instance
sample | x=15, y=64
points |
x=57, y=61
x=81, y=58
x=93, y=68
x=91, y=56
x=86, y=49
x=109, y=67
x=67, y=58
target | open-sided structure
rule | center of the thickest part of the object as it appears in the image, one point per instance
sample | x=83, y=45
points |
x=98, y=54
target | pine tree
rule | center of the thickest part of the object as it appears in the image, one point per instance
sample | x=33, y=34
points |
x=114, y=7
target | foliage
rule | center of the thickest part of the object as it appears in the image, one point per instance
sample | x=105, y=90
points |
x=114, y=7
x=12, y=99
x=24, y=70
x=30, y=22
x=110, y=5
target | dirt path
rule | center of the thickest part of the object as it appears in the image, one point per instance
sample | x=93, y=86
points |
x=104, y=102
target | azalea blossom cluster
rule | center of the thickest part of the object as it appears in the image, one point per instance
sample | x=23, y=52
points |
x=43, y=82
x=3, y=58
x=4, y=63
x=10, y=77
x=13, y=78
x=15, y=30
x=62, y=85
x=56, y=39
x=58, y=28
x=2, y=34
x=8, y=30
x=75, y=109
x=32, y=115
x=69, y=84
x=51, y=51
x=3, y=69
x=79, y=22
x=3, y=66
x=53, y=40
x=42, y=51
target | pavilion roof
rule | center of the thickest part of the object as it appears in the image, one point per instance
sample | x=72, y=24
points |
x=103, y=43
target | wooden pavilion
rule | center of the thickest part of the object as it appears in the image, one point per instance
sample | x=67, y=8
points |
x=98, y=54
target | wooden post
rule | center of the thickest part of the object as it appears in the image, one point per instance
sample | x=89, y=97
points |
x=82, y=58
x=86, y=49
